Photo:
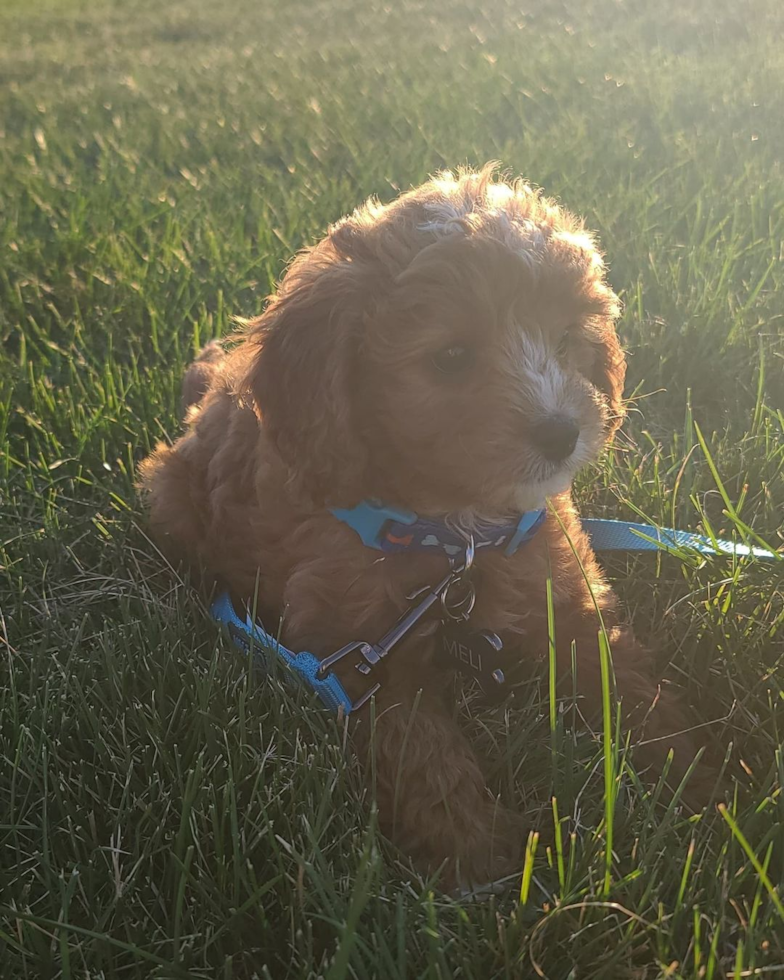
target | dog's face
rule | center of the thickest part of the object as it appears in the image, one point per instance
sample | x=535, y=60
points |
x=452, y=351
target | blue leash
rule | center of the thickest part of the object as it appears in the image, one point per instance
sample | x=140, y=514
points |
x=246, y=634
x=605, y=535
x=625, y=536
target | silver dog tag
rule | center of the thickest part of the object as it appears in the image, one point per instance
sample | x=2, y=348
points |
x=478, y=654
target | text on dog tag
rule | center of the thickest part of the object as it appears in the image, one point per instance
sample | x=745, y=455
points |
x=478, y=654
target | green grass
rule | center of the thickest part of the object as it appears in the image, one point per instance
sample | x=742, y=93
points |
x=163, y=814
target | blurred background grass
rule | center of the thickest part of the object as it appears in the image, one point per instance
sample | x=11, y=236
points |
x=159, y=165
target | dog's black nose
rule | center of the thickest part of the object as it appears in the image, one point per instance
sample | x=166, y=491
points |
x=556, y=437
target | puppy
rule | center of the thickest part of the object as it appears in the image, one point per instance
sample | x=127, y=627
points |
x=453, y=353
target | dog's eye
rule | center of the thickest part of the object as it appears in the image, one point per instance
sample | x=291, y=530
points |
x=452, y=360
x=566, y=340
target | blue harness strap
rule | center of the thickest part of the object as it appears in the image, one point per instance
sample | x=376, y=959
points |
x=392, y=530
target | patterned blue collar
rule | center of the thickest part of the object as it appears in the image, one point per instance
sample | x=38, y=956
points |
x=394, y=529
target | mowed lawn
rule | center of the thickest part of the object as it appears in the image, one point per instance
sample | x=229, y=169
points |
x=164, y=814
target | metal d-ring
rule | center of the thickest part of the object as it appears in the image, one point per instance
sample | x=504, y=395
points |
x=463, y=607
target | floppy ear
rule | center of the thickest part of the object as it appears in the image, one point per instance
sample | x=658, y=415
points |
x=609, y=372
x=303, y=349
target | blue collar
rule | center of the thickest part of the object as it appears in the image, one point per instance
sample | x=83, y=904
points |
x=394, y=529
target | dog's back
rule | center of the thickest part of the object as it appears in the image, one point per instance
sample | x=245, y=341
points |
x=200, y=374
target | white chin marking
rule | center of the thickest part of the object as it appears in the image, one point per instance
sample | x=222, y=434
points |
x=533, y=496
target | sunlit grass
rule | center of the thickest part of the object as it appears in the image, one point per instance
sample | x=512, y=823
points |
x=162, y=813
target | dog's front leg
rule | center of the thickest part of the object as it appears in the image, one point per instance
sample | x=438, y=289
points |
x=432, y=797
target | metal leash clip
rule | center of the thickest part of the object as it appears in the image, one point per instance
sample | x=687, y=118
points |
x=371, y=654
